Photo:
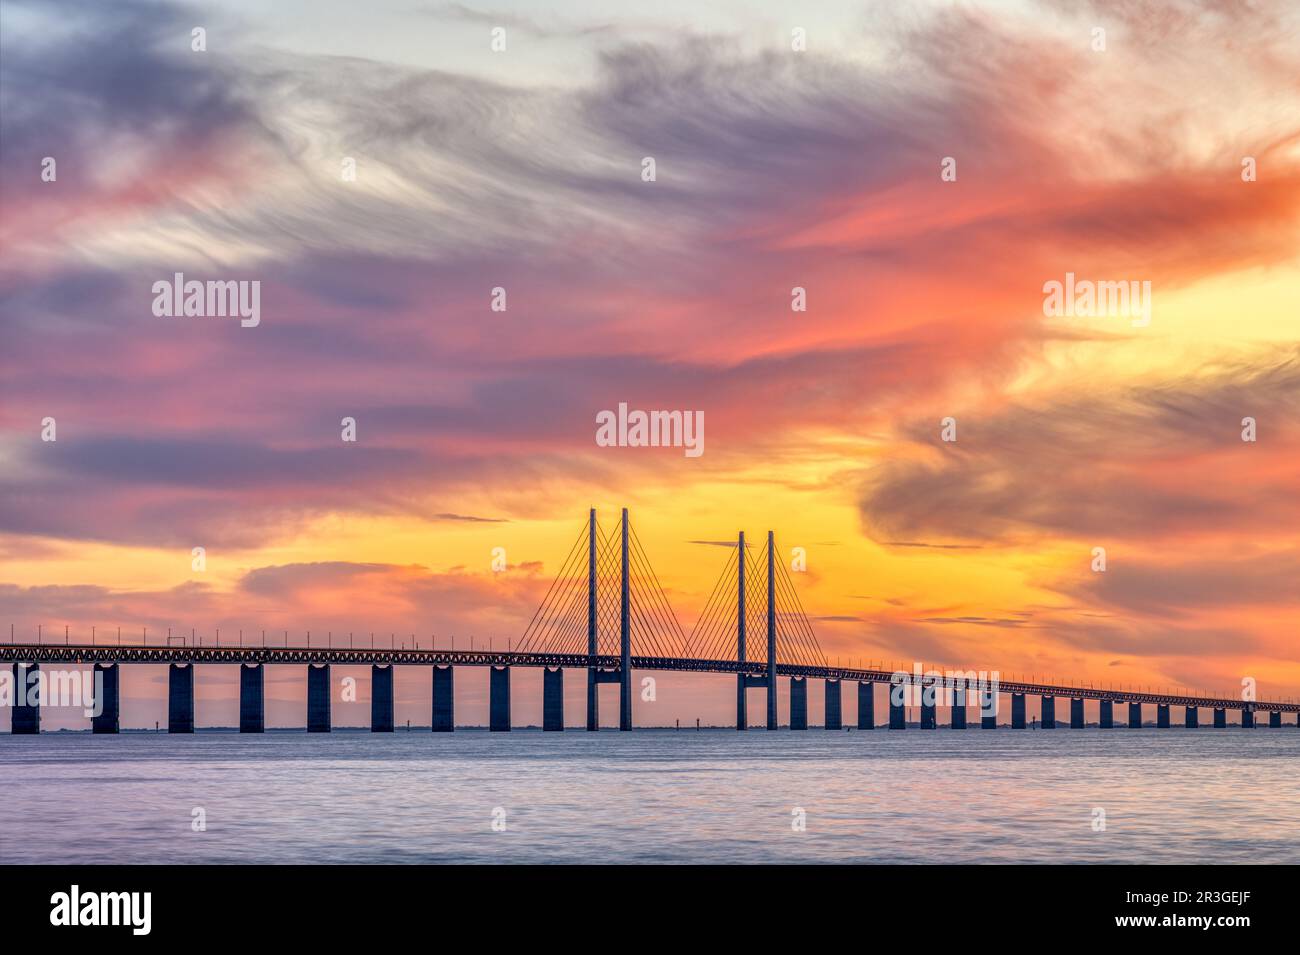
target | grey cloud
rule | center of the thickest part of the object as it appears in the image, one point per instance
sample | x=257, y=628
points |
x=1076, y=466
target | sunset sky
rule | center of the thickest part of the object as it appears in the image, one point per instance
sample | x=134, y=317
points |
x=776, y=168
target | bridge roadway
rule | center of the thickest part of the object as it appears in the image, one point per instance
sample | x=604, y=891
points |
x=347, y=656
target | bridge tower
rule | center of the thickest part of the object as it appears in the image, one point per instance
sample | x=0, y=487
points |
x=593, y=673
x=771, y=633
x=625, y=641
x=742, y=678
x=609, y=579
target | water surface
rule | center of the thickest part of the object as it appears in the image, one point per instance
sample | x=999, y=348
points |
x=655, y=796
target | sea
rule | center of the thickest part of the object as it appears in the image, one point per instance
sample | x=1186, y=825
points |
x=1117, y=795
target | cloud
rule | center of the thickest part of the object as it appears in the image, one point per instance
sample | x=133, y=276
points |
x=774, y=171
x=1104, y=467
x=1186, y=588
x=337, y=596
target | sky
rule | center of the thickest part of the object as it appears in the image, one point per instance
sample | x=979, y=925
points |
x=922, y=172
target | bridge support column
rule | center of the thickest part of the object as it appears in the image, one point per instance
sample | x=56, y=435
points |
x=553, y=700
x=1220, y=718
x=499, y=699
x=1017, y=711
x=897, y=706
x=593, y=688
x=108, y=720
x=180, y=698
x=26, y=718
x=1106, y=719
x=929, y=716
x=834, y=706
x=1247, y=717
x=444, y=706
x=252, y=698
x=318, y=698
x=1275, y=718
x=866, y=705
x=959, y=709
x=1135, y=715
x=1162, y=715
x=1191, y=717
x=988, y=710
x=1049, y=712
x=381, y=699
x=798, y=703
x=1076, y=714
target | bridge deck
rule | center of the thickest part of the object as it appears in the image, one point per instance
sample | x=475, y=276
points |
x=100, y=653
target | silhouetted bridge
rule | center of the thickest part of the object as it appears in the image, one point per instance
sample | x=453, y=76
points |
x=604, y=611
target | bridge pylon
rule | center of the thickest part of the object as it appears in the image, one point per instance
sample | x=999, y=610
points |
x=608, y=588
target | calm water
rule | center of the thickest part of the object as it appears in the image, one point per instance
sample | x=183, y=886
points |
x=655, y=796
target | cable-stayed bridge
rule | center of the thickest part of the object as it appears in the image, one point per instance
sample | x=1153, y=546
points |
x=607, y=613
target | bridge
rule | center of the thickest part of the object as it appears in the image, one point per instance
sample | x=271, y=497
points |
x=607, y=613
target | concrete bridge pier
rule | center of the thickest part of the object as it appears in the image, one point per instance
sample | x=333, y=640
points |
x=747, y=681
x=929, y=718
x=1076, y=714
x=1162, y=715
x=866, y=705
x=1135, y=716
x=318, y=698
x=798, y=703
x=742, y=714
x=381, y=699
x=1049, y=712
x=26, y=718
x=180, y=698
x=1220, y=718
x=959, y=709
x=1106, y=719
x=108, y=719
x=553, y=700
x=988, y=710
x=1275, y=718
x=444, y=706
x=499, y=700
x=595, y=678
x=1191, y=717
x=252, y=699
x=1247, y=717
x=1017, y=711
x=897, y=711
x=834, y=703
